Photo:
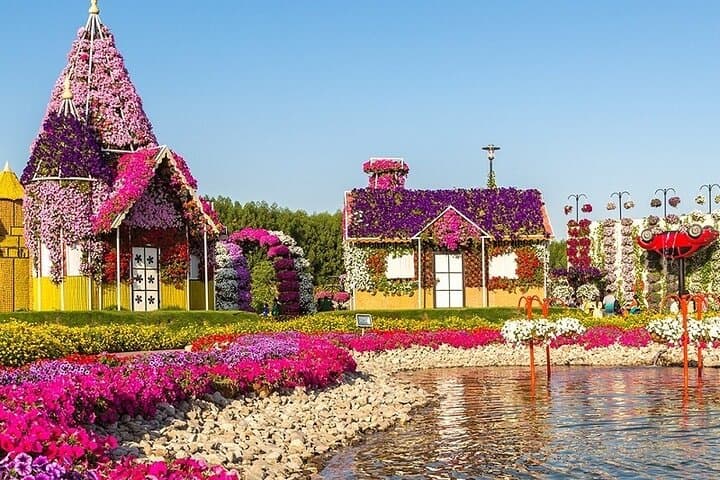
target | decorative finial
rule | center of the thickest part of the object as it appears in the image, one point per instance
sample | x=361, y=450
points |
x=67, y=93
x=94, y=10
x=7, y=167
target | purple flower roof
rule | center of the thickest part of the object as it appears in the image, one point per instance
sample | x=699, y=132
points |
x=400, y=214
x=66, y=147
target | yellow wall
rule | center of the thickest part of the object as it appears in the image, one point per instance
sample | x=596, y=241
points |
x=473, y=299
x=14, y=261
x=380, y=301
x=197, y=295
x=502, y=298
x=74, y=293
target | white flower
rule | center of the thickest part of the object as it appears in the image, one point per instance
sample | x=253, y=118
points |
x=358, y=276
x=668, y=329
x=587, y=292
x=517, y=332
x=568, y=327
x=563, y=291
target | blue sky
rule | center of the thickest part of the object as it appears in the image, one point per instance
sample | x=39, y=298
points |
x=282, y=101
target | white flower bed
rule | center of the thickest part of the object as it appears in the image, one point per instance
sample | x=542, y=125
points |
x=520, y=332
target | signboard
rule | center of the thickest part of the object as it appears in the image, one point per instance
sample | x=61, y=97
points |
x=363, y=320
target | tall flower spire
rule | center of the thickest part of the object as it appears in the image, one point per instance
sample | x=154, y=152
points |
x=102, y=90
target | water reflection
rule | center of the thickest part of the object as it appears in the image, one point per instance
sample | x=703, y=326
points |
x=587, y=423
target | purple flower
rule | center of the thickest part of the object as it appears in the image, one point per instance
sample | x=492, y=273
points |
x=23, y=464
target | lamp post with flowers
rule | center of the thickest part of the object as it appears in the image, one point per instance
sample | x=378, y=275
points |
x=491, y=149
x=585, y=208
x=673, y=201
x=700, y=198
x=627, y=205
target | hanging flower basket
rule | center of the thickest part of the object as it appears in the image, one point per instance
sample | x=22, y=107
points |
x=717, y=199
x=674, y=201
x=587, y=208
x=611, y=206
x=655, y=202
x=700, y=199
x=628, y=205
x=568, y=209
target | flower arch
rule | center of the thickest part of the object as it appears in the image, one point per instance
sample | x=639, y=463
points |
x=292, y=269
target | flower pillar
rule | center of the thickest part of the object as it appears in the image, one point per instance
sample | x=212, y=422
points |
x=700, y=304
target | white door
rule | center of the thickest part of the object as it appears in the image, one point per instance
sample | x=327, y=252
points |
x=449, y=291
x=146, y=279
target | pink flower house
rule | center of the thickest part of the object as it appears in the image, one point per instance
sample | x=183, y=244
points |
x=112, y=218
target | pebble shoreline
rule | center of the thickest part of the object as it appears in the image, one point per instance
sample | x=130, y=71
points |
x=280, y=436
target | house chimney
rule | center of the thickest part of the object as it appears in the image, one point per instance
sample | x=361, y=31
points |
x=386, y=173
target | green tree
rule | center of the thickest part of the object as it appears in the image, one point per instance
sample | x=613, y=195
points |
x=558, y=254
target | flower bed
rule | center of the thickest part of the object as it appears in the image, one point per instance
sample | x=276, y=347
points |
x=45, y=407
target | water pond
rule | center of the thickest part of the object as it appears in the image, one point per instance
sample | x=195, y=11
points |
x=586, y=423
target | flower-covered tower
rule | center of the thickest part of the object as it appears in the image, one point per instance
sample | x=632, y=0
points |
x=14, y=262
x=112, y=218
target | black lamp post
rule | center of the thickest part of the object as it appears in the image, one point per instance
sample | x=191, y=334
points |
x=491, y=149
x=577, y=197
x=620, y=197
x=709, y=187
x=665, y=192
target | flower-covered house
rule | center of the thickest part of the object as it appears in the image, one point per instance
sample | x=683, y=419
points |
x=112, y=219
x=441, y=248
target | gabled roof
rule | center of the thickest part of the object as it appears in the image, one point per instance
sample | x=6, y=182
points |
x=10, y=187
x=483, y=233
x=135, y=171
x=391, y=215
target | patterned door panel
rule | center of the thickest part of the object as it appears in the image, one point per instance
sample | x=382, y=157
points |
x=145, y=279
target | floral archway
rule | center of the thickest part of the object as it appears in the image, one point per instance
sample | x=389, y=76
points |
x=293, y=280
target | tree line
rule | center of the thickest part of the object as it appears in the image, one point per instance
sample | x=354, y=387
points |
x=319, y=234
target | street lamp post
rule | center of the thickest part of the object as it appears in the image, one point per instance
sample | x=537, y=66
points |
x=491, y=149
x=709, y=187
x=665, y=192
x=577, y=197
x=620, y=202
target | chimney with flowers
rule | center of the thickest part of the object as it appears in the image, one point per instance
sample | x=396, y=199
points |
x=386, y=173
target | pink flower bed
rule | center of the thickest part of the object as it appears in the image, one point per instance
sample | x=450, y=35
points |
x=45, y=407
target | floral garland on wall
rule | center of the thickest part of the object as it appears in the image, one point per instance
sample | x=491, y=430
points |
x=174, y=254
x=528, y=270
x=386, y=173
x=232, y=278
x=116, y=111
x=357, y=275
x=366, y=268
x=57, y=213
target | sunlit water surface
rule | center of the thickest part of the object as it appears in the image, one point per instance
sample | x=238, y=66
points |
x=588, y=423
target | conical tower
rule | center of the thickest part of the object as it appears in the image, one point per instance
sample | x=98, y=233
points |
x=104, y=95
